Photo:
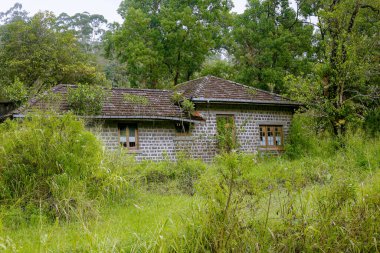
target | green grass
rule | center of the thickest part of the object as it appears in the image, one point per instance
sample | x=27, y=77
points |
x=325, y=200
x=120, y=228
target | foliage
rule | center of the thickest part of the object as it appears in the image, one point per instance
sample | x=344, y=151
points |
x=46, y=165
x=86, y=99
x=39, y=56
x=239, y=202
x=165, y=177
x=220, y=68
x=136, y=99
x=88, y=28
x=15, y=13
x=185, y=104
x=306, y=140
x=269, y=41
x=372, y=122
x=16, y=92
x=167, y=41
x=226, y=134
x=347, y=68
x=188, y=106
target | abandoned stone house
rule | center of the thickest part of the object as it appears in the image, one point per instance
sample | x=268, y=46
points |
x=160, y=128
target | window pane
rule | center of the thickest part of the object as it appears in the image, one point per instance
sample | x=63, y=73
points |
x=278, y=141
x=123, y=136
x=262, y=137
x=270, y=137
x=132, y=135
x=278, y=136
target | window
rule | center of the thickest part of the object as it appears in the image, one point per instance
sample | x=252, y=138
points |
x=271, y=137
x=128, y=136
x=226, y=132
x=182, y=128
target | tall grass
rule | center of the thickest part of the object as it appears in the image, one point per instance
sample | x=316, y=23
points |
x=46, y=165
x=324, y=199
x=254, y=204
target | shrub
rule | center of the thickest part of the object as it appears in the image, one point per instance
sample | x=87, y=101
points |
x=86, y=100
x=372, y=122
x=304, y=140
x=47, y=163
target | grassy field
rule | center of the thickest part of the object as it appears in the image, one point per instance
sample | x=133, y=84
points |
x=323, y=199
x=280, y=205
x=119, y=228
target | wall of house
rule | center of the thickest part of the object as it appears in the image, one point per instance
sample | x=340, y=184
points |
x=158, y=140
x=247, y=122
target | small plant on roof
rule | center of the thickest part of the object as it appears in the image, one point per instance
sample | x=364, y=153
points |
x=185, y=104
x=252, y=91
x=177, y=98
x=86, y=99
x=136, y=99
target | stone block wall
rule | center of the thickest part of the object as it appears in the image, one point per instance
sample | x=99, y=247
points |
x=247, y=123
x=159, y=140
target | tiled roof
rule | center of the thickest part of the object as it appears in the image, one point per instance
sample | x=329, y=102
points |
x=158, y=104
x=214, y=89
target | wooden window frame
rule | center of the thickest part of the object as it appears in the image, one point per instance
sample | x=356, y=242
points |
x=136, y=147
x=264, y=129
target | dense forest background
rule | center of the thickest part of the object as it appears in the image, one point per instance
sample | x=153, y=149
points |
x=325, y=53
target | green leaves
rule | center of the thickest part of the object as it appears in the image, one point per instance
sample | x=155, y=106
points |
x=166, y=42
x=39, y=56
x=269, y=42
x=86, y=100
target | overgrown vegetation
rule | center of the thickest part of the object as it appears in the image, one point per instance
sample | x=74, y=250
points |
x=184, y=103
x=47, y=163
x=323, y=199
x=86, y=99
x=136, y=99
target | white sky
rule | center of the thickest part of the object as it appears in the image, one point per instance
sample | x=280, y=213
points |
x=107, y=8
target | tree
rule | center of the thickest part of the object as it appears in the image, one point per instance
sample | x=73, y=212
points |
x=34, y=53
x=166, y=40
x=88, y=28
x=13, y=14
x=346, y=75
x=269, y=41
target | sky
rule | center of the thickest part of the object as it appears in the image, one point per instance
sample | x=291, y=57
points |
x=107, y=8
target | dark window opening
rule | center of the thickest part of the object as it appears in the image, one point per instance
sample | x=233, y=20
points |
x=182, y=127
x=128, y=136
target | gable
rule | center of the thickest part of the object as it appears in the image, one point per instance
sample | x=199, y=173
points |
x=214, y=89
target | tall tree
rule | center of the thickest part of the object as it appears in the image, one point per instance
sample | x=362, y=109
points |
x=13, y=14
x=35, y=54
x=270, y=41
x=347, y=74
x=166, y=40
x=88, y=28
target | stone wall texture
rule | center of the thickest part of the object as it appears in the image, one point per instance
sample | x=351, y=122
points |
x=159, y=140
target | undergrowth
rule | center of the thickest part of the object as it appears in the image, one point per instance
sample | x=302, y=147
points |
x=325, y=199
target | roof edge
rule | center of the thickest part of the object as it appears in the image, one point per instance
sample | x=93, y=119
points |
x=246, y=101
x=129, y=117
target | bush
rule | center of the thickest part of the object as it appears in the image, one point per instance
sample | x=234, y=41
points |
x=47, y=162
x=86, y=100
x=304, y=140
